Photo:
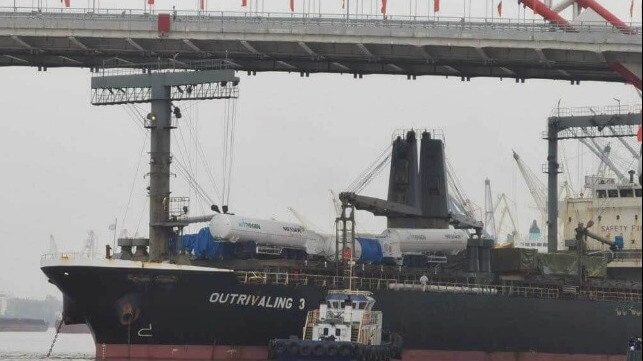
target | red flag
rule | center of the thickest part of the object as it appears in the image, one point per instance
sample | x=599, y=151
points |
x=67, y=3
x=202, y=4
x=436, y=6
x=639, y=135
x=500, y=8
x=150, y=2
x=383, y=10
x=292, y=5
x=244, y=3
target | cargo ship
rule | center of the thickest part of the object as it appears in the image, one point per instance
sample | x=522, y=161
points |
x=226, y=291
x=22, y=325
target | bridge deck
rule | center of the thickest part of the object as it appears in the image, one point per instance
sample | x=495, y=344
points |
x=446, y=47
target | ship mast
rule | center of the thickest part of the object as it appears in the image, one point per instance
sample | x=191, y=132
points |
x=159, y=84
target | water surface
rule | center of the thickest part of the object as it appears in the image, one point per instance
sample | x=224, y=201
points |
x=34, y=346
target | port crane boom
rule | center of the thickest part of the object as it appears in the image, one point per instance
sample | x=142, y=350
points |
x=536, y=187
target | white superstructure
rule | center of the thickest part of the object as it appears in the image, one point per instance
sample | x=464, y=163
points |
x=615, y=209
x=345, y=316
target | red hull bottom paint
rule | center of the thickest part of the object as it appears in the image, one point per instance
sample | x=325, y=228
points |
x=429, y=355
x=256, y=353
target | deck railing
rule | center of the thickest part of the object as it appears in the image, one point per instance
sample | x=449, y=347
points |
x=375, y=284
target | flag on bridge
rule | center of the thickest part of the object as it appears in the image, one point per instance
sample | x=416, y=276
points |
x=292, y=5
x=383, y=10
x=150, y=2
x=67, y=3
x=202, y=4
x=639, y=135
x=436, y=6
x=500, y=8
x=244, y=3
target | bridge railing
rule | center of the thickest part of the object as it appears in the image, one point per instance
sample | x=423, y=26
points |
x=353, y=20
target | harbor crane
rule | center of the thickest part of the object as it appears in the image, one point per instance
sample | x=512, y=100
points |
x=598, y=151
x=489, y=219
x=502, y=206
x=536, y=187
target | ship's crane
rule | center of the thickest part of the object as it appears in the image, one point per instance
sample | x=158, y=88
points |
x=536, y=187
x=582, y=233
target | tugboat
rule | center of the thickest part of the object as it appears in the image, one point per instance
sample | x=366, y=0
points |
x=344, y=328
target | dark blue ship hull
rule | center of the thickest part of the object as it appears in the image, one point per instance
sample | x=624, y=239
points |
x=176, y=313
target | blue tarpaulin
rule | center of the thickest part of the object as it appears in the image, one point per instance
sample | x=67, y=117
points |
x=371, y=250
x=202, y=245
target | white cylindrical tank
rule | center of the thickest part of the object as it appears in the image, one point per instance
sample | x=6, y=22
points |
x=234, y=228
x=449, y=241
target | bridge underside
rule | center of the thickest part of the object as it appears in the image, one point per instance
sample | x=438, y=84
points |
x=294, y=45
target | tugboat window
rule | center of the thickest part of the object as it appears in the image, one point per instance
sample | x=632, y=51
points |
x=326, y=331
x=601, y=193
x=338, y=332
x=612, y=193
x=638, y=192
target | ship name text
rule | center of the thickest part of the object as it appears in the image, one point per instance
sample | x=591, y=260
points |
x=282, y=303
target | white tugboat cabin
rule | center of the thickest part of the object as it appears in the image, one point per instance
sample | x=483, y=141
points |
x=345, y=316
x=343, y=328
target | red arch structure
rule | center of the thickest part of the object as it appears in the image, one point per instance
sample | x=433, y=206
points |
x=628, y=72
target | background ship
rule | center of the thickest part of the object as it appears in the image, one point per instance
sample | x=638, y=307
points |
x=478, y=302
x=27, y=315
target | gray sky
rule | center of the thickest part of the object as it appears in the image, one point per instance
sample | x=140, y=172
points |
x=68, y=167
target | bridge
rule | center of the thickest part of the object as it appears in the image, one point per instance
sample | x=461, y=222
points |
x=305, y=44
